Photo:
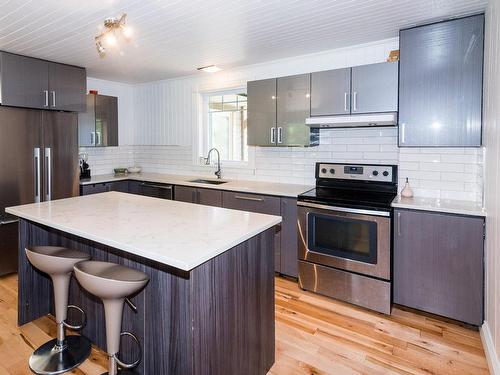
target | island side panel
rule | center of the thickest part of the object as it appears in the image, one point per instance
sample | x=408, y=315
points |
x=233, y=310
x=217, y=318
x=167, y=326
x=34, y=287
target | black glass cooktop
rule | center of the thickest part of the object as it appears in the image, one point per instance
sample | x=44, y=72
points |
x=354, y=198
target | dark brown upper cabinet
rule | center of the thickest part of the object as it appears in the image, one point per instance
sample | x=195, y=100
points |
x=361, y=89
x=277, y=112
x=98, y=125
x=33, y=83
x=67, y=86
x=441, y=84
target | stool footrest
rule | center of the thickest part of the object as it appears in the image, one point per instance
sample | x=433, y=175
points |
x=135, y=363
x=84, y=319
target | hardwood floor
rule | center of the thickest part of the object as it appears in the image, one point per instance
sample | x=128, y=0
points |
x=314, y=335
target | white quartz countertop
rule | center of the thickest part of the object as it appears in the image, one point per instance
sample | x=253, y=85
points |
x=257, y=187
x=440, y=205
x=178, y=234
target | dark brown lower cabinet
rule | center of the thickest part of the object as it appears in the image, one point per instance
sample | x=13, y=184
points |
x=262, y=204
x=439, y=264
x=285, y=239
x=289, y=238
x=122, y=186
x=208, y=197
x=285, y=247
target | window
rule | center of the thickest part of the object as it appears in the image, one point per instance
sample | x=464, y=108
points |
x=226, y=127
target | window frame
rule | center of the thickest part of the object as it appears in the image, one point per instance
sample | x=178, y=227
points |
x=205, y=128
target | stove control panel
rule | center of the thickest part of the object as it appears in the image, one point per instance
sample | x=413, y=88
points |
x=379, y=173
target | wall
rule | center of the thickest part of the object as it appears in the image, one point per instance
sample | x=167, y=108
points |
x=491, y=328
x=167, y=112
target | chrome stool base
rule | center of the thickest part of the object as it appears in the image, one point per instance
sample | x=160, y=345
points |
x=48, y=359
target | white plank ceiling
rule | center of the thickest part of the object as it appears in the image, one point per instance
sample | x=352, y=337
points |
x=174, y=37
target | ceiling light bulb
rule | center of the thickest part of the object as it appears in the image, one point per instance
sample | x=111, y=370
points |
x=210, y=69
x=127, y=32
x=100, y=48
x=110, y=39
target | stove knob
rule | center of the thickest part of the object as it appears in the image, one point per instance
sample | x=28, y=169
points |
x=323, y=170
x=332, y=171
x=375, y=173
x=385, y=173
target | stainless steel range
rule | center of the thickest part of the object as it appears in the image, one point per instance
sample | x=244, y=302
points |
x=345, y=228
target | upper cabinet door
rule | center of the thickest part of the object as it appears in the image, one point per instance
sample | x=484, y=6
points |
x=441, y=80
x=331, y=92
x=294, y=106
x=106, y=120
x=24, y=81
x=375, y=88
x=68, y=87
x=262, y=112
x=86, y=124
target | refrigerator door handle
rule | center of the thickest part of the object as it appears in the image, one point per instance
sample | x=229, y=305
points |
x=36, y=160
x=48, y=174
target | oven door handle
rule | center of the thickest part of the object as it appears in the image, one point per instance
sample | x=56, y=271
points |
x=344, y=209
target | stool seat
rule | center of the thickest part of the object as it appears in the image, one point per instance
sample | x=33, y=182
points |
x=63, y=353
x=109, y=280
x=55, y=260
x=112, y=283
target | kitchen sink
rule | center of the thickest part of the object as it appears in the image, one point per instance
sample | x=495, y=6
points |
x=211, y=182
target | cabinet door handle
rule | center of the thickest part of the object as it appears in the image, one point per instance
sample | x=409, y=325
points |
x=273, y=135
x=248, y=198
x=155, y=186
x=36, y=160
x=399, y=224
x=355, y=101
x=346, y=95
x=46, y=93
x=98, y=138
x=402, y=133
x=280, y=134
x=48, y=174
x=53, y=98
x=92, y=138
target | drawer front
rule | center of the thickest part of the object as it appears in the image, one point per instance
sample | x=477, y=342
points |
x=251, y=202
x=121, y=186
x=209, y=197
x=94, y=189
x=185, y=194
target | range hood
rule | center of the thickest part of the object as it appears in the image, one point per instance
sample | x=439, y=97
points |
x=354, y=121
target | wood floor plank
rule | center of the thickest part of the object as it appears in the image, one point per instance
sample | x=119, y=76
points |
x=314, y=336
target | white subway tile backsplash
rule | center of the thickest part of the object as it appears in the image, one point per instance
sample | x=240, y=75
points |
x=448, y=173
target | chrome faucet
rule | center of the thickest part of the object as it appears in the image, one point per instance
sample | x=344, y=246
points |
x=218, y=172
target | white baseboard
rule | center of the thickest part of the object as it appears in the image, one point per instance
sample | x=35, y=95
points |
x=489, y=349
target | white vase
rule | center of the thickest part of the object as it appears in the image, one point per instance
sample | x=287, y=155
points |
x=407, y=191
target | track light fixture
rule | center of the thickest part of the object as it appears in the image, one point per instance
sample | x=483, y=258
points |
x=114, y=29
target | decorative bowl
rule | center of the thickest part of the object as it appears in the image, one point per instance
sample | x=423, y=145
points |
x=134, y=169
x=120, y=170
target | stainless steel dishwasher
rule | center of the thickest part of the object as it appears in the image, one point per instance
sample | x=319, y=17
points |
x=156, y=190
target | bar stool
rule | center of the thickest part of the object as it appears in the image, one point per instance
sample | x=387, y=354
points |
x=112, y=283
x=65, y=352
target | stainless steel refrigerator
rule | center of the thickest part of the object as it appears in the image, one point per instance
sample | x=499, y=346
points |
x=38, y=162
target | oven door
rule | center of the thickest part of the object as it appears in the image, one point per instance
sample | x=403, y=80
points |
x=347, y=239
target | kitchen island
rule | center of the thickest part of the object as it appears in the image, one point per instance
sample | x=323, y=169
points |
x=209, y=305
